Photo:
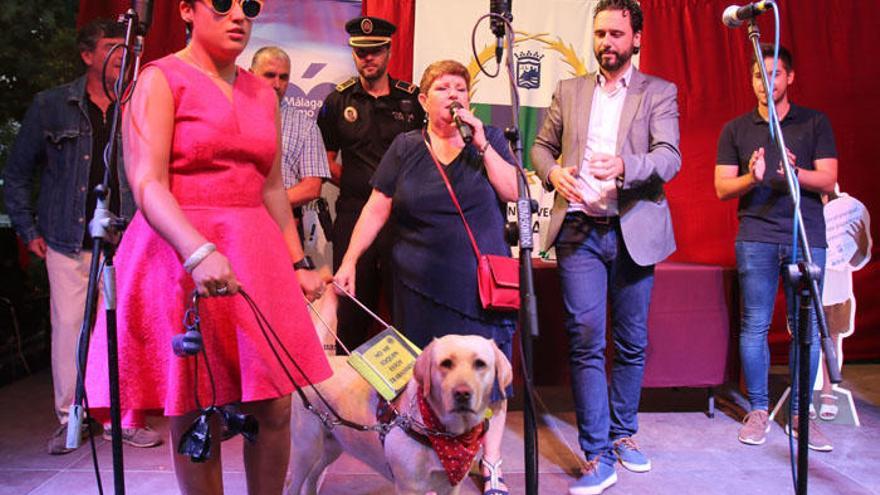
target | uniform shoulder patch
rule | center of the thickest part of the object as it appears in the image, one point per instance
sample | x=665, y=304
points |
x=405, y=86
x=346, y=84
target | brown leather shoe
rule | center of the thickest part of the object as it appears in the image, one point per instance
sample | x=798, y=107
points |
x=57, y=444
x=137, y=437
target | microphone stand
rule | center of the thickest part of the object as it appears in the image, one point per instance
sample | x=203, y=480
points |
x=528, y=313
x=105, y=229
x=803, y=277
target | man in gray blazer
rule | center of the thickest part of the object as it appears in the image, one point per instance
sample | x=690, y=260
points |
x=617, y=134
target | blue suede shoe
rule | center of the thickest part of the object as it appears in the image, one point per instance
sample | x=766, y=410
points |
x=630, y=456
x=598, y=474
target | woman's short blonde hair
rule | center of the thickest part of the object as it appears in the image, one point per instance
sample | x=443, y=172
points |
x=443, y=68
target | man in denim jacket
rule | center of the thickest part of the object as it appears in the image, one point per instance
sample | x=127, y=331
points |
x=62, y=139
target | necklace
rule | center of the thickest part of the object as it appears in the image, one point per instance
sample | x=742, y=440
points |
x=208, y=73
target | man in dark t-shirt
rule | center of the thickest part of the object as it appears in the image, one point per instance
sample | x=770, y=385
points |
x=749, y=167
x=359, y=120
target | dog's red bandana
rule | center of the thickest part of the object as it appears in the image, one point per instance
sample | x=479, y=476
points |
x=455, y=453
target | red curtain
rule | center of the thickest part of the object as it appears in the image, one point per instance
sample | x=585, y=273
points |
x=402, y=14
x=834, y=44
x=685, y=42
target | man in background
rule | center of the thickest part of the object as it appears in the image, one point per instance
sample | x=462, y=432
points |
x=359, y=120
x=749, y=167
x=303, y=157
x=62, y=140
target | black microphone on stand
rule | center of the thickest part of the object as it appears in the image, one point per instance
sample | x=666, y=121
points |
x=467, y=134
x=735, y=15
x=502, y=8
x=144, y=9
x=105, y=226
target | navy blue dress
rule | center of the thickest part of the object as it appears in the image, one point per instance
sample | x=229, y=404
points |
x=435, y=268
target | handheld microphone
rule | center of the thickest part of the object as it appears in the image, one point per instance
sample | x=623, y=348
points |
x=467, y=134
x=144, y=9
x=502, y=8
x=735, y=15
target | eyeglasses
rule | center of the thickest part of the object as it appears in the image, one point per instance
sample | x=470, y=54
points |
x=250, y=8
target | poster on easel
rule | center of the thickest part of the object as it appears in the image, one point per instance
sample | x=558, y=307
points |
x=848, y=233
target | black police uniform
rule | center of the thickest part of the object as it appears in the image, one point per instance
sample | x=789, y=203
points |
x=362, y=127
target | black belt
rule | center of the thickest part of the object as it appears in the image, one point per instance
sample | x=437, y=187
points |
x=604, y=221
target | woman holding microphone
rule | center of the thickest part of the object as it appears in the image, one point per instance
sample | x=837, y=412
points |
x=435, y=267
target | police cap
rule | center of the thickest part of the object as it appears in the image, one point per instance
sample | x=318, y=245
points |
x=369, y=32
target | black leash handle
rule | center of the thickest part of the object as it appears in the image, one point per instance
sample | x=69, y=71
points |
x=192, y=322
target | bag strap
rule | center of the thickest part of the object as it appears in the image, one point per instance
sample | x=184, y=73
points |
x=451, y=193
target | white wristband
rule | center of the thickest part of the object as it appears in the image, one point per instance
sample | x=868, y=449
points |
x=198, y=256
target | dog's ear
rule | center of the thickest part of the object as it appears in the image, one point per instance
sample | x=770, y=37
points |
x=422, y=369
x=503, y=370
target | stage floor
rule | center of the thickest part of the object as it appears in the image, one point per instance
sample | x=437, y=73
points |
x=691, y=453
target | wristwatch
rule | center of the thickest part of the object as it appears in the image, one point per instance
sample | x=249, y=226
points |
x=481, y=152
x=304, y=264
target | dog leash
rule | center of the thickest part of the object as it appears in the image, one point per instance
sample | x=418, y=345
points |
x=192, y=339
x=388, y=415
x=362, y=305
x=266, y=329
x=357, y=302
x=329, y=418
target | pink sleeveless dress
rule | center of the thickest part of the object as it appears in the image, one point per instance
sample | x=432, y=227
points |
x=221, y=153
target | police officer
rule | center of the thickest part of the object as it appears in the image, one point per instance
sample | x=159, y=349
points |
x=360, y=119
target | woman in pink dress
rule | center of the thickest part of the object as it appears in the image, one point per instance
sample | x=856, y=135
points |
x=201, y=143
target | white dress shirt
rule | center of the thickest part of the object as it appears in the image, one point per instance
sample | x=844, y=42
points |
x=600, y=196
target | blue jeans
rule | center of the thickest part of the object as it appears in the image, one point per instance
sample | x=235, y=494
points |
x=759, y=265
x=595, y=268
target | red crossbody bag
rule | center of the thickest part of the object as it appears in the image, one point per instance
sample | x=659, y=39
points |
x=497, y=275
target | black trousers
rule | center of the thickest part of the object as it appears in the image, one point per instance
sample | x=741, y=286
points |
x=372, y=280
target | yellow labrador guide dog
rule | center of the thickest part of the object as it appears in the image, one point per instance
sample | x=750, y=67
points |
x=455, y=375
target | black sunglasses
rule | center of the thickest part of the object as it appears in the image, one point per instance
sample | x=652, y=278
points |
x=251, y=8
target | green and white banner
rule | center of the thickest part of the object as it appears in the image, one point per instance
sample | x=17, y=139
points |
x=553, y=41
